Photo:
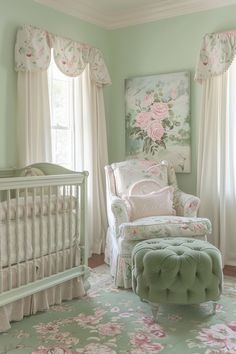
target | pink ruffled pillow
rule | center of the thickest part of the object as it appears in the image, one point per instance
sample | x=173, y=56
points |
x=153, y=204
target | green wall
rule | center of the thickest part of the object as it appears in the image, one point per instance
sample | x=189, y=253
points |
x=14, y=13
x=161, y=47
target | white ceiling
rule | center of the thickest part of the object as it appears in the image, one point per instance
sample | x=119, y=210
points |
x=111, y=14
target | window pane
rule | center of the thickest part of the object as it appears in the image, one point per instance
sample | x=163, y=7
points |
x=61, y=92
x=62, y=147
x=60, y=103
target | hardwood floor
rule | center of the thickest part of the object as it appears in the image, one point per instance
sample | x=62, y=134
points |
x=98, y=259
x=230, y=270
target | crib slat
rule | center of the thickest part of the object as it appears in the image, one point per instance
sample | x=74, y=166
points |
x=34, y=235
x=64, y=229
x=41, y=232
x=26, y=235
x=49, y=232
x=9, y=250
x=56, y=230
x=18, y=280
x=70, y=224
x=82, y=221
x=78, y=217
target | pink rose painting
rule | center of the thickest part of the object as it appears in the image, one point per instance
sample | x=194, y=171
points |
x=158, y=118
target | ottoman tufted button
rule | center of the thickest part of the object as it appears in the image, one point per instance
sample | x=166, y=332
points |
x=180, y=253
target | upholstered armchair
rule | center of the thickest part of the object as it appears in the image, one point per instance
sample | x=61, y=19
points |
x=144, y=202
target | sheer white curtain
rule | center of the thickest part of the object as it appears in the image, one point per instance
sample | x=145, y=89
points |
x=217, y=160
x=91, y=153
x=33, y=56
x=33, y=120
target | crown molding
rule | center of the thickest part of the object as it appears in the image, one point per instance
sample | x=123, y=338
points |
x=108, y=19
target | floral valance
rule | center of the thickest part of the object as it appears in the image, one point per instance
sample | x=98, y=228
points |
x=33, y=53
x=216, y=55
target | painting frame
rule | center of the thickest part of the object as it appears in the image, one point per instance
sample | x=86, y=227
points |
x=157, y=118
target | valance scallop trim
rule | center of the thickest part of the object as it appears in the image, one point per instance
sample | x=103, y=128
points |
x=216, y=54
x=33, y=53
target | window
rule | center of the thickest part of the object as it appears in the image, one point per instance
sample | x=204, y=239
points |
x=61, y=94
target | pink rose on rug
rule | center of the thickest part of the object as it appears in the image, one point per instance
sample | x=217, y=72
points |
x=148, y=321
x=46, y=328
x=139, y=339
x=90, y=319
x=64, y=338
x=115, y=309
x=95, y=348
x=216, y=351
x=109, y=329
x=160, y=110
x=157, y=331
x=143, y=119
x=52, y=350
x=232, y=325
x=152, y=348
x=218, y=335
x=155, y=131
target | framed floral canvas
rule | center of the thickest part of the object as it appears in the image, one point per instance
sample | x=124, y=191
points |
x=158, y=118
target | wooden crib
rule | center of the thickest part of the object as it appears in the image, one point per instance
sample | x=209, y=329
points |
x=43, y=239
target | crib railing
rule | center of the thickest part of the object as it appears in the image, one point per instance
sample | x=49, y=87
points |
x=43, y=239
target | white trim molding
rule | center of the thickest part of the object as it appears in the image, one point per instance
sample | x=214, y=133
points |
x=114, y=14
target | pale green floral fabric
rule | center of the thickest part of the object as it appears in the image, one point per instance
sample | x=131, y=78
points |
x=216, y=55
x=185, y=204
x=164, y=226
x=33, y=53
x=119, y=214
x=123, y=234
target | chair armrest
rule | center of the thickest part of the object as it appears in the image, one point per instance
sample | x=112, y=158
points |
x=118, y=214
x=186, y=204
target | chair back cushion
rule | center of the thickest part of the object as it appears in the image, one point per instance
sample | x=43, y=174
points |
x=128, y=172
x=144, y=186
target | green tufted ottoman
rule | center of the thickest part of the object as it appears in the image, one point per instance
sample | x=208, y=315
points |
x=176, y=271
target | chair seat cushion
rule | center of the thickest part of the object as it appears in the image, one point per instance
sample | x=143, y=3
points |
x=165, y=226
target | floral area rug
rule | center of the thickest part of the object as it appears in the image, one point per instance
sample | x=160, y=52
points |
x=110, y=321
